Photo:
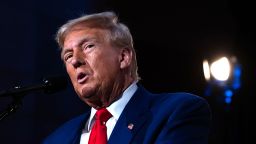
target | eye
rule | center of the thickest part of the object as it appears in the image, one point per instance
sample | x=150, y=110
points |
x=67, y=57
x=88, y=46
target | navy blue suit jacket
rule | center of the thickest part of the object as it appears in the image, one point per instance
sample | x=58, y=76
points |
x=167, y=118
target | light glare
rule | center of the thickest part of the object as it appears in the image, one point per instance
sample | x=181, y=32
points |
x=220, y=69
x=206, y=70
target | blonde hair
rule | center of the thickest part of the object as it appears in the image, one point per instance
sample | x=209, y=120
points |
x=120, y=35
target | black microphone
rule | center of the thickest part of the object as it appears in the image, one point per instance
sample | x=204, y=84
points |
x=50, y=85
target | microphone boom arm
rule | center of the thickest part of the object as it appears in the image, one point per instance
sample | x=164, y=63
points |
x=49, y=85
x=20, y=90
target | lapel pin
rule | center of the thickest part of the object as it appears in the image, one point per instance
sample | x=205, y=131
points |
x=130, y=126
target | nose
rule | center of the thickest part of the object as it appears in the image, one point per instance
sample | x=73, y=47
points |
x=77, y=60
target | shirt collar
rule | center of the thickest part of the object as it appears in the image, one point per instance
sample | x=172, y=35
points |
x=118, y=106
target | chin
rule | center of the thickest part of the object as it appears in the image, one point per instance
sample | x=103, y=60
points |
x=87, y=92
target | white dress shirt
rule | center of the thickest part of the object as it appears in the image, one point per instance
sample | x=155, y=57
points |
x=115, y=109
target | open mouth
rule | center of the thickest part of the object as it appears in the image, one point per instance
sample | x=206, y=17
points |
x=81, y=78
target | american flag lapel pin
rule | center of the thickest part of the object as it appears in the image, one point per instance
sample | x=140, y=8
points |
x=130, y=126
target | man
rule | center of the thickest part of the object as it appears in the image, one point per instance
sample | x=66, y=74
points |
x=100, y=59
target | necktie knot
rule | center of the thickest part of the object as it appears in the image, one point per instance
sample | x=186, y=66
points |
x=103, y=115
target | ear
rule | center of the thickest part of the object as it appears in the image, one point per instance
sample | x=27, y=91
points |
x=125, y=58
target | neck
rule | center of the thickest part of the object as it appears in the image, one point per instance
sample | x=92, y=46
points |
x=117, y=89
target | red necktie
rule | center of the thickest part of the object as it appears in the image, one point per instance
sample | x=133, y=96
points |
x=99, y=130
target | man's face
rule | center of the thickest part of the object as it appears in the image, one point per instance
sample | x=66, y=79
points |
x=92, y=63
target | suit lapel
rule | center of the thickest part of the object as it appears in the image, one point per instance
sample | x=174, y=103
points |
x=135, y=114
x=77, y=130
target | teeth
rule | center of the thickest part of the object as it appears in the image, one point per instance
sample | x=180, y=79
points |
x=80, y=76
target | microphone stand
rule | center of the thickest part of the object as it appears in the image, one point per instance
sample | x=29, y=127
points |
x=13, y=106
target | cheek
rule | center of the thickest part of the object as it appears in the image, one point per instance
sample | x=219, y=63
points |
x=106, y=66
x=71, y=73
x=108, y=73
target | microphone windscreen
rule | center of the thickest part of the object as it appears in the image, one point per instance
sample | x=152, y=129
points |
x=55, y=83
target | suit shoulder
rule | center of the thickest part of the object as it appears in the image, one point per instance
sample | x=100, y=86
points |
x=67, y=129
x=71, y=123
x=180, y=104
x=179, y=101
x=180, y=97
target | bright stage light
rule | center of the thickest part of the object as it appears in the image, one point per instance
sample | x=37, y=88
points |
x=223, y=77
x=206, y=68
x=219, y=69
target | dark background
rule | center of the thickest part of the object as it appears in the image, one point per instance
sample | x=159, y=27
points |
x=171, y=39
